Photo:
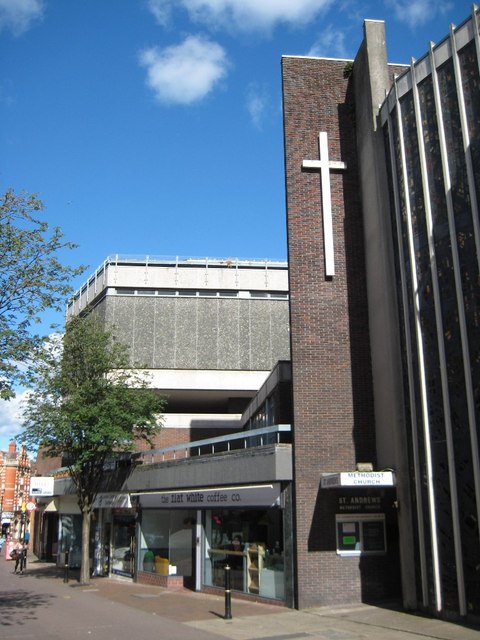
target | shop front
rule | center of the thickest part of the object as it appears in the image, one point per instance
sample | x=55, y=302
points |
x=194, y=534
x=114, y=535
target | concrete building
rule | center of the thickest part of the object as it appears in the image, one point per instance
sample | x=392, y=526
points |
x=208, y=333
x=384, y=249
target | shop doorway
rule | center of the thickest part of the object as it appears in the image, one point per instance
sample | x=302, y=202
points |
x=123, y=546
x=50, y=536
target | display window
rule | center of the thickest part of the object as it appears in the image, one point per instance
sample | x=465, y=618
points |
x=361, y=534
x=250, y=542
x=166, y=542
x=70, y=540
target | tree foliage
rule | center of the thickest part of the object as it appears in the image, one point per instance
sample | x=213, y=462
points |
x=32, y=279
x=87, y=404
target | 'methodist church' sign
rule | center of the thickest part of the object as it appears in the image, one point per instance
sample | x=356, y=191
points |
x=358, y=479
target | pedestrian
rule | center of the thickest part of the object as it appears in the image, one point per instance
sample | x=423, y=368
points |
x=20, y=557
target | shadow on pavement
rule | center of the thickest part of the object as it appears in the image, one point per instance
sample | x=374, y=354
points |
x=17, y=606
x=38, y=569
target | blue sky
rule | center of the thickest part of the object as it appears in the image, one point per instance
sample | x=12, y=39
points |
x=155, y=126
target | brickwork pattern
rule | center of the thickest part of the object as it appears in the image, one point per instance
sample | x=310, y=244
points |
x=168, y=582
x=169, y=437
x=332, y=387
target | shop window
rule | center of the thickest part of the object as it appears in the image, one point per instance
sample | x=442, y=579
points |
x=166, y=545
x=250, y=542
x=361, y=534
x=70, y=540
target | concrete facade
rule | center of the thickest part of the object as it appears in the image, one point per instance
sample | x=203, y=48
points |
x=207, y=332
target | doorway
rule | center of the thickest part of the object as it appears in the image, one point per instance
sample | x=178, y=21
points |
x=123, y=546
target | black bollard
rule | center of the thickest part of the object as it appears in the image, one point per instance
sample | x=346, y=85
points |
x=65, y=571
x=228, y=594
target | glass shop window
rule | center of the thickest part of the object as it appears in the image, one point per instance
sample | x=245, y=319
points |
x=250, y=542
x=166, y=542
x=361, y=534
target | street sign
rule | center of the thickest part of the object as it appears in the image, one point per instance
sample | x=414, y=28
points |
x=31, y=506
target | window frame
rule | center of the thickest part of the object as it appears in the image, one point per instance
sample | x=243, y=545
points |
x=359, y=519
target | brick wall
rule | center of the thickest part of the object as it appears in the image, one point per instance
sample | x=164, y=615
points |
x=168, y=582
x=171, y=436
x=332, y=388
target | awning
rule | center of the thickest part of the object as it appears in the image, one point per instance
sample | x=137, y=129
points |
x=51, y=506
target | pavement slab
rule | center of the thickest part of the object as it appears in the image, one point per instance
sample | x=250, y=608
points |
x=201, y=615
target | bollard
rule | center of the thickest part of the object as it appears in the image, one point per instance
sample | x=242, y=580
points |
x=228, y=594
x=65, y=572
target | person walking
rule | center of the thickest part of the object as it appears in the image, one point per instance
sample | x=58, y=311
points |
x=20, y=557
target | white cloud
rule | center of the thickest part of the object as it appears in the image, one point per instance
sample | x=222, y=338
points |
x=161, y=10
x=330, y=43
x=257, y=100
x=184, y=73
x=10, y=417
x=244, y=14
x=19, y=15
x=417, y=12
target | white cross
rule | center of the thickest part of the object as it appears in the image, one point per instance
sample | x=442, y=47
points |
x=325, y=166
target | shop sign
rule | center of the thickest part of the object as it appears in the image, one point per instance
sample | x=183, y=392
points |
x=358, y=479
x=112, y=501
x=41, y=485
x=254, y=496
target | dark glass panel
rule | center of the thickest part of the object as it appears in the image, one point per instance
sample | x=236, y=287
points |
x=416, y=430
x=470, y=285
x=451, y=335
x=471, y=93
x=393, y=173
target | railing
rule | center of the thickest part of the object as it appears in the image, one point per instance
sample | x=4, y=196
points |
x=225, y=443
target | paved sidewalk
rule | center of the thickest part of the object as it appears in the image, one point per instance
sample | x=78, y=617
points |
x=258, y=621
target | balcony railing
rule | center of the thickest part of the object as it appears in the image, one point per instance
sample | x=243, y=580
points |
x=220, y=444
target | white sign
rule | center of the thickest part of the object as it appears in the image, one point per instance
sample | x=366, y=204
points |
x=358, y=479
x=41, y=485
x=31, y=506
x=112, y=501
x=254, y=496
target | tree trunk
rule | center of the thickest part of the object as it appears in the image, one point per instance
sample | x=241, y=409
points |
x=85, y=566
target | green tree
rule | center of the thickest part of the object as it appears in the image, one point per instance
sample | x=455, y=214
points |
x=32, y=279
x=87, y=404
